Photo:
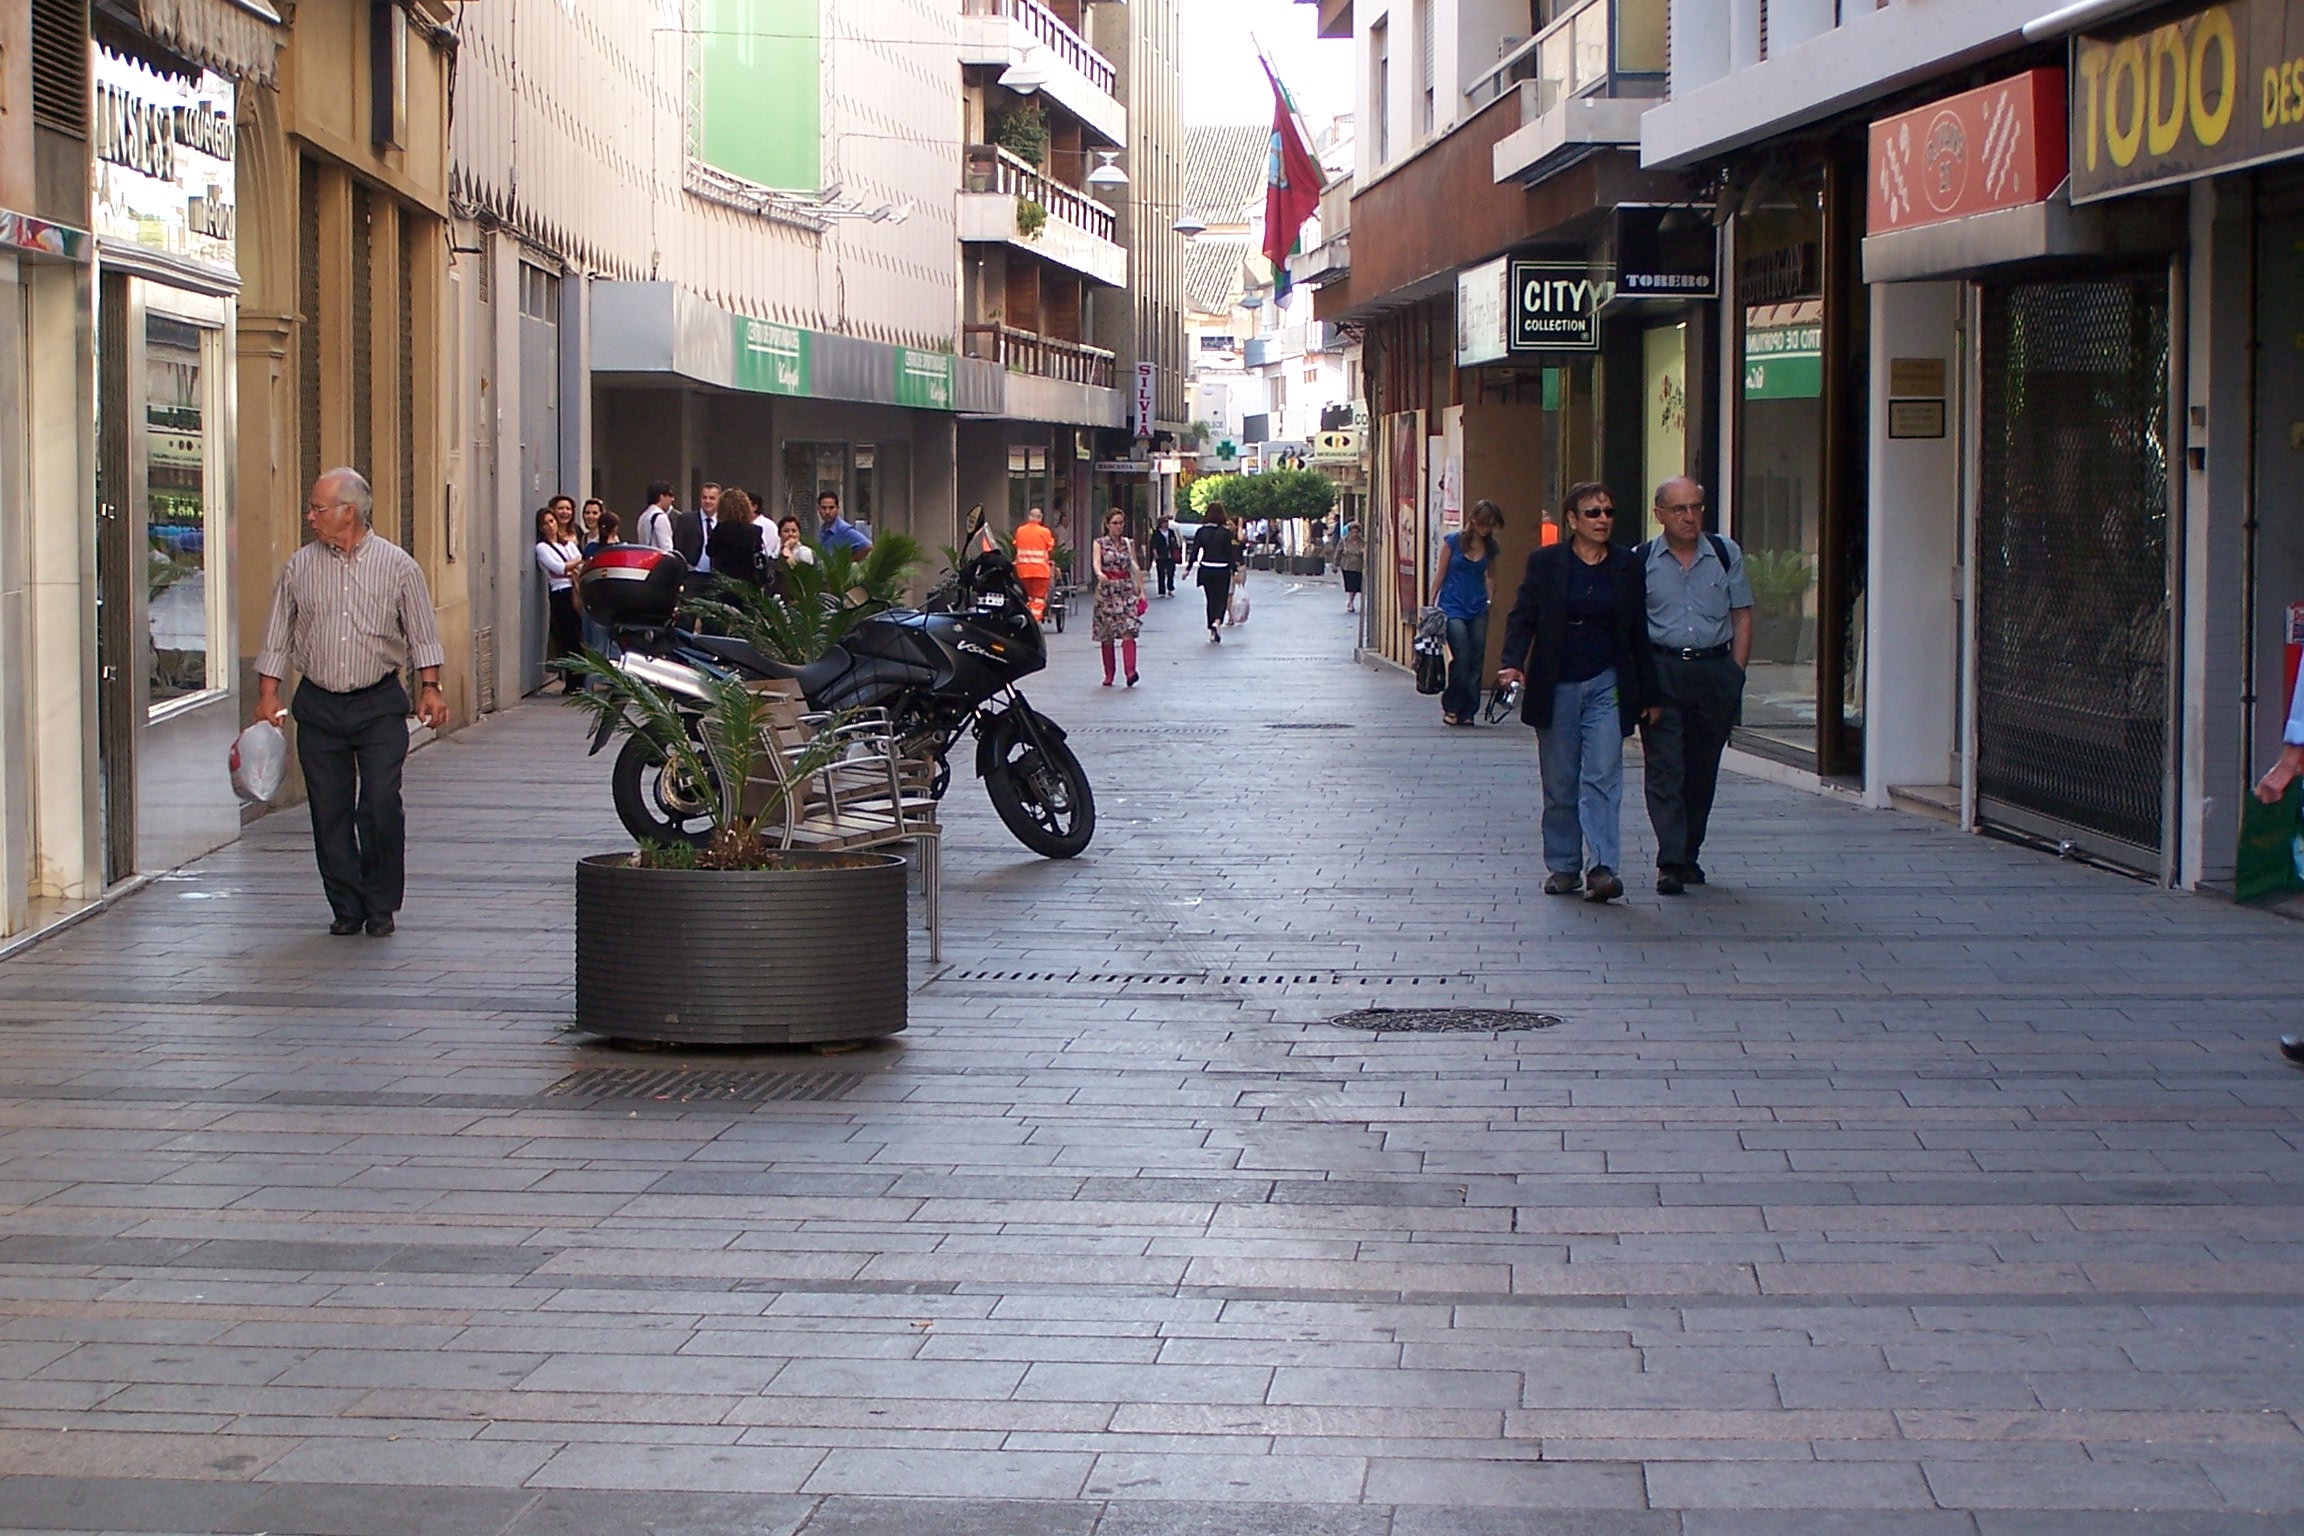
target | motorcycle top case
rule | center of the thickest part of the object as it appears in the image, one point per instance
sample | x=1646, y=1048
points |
x=632, y=584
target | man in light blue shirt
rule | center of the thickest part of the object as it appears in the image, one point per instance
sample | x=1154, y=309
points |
x=1700, y=627
x=836, y=532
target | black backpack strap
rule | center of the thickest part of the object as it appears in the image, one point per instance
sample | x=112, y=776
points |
x=1720, y=548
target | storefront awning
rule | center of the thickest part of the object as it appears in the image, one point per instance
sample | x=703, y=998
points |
x=236, y=38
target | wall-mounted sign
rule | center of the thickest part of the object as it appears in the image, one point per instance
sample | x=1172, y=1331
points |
x=2000, y=146
x=1556, y=306
x=1145, y=377
x=1667, y=253
x=923, y=379
x=1482, y=331
x=771, y=359
x=39, y=237
x=1123, y=466
x=1915, y=418
x=163, y=162
x=1916, y=397
x=1784, y=351
x=2214, y=90
x=1336, y=445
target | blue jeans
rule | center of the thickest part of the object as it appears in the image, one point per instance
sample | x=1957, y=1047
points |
x=1582, y=755
x=1467, y=649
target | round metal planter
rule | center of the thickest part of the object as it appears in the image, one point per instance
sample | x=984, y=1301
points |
x=719, y=957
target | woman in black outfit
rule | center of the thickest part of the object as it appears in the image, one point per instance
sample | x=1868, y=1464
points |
x=738, y=552
x=1215, y=555
x=1578, y=638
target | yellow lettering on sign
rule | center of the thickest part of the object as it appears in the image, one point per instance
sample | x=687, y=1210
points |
x=2275, y=95
x=2168, y=74
x=2215, y=27
x=2128, y=64
x=2092, y=74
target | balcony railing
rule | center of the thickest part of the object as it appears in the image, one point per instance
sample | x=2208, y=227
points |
x=993, y=169
x=1602, y=48
x=1023, y=352
x=1060, y=39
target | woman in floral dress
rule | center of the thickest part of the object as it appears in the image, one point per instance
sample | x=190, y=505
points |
x=1119, y=594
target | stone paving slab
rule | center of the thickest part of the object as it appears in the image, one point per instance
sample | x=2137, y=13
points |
x=1895, y=1182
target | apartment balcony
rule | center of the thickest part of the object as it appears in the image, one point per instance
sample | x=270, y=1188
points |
x=1069, y=362
x=1583, y=83
x=998, y=33
x=1072, y=229
x=1331, y=260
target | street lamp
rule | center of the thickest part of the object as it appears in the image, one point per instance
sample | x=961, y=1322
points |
x=1106, y=173
x=1028, y=73
x=1189, y=227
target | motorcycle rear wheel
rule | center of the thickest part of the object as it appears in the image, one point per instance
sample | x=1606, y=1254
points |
x=1043, y=798
x=653, y=802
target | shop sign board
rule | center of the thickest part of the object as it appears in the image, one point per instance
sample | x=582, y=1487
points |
x=1556, y=305
x=923, y=379
x=39, y=237
x=1666, y=253
x=2000, y=146
x=1144, y=398
x=1407, y=521
x=1123, y=466
x=1784, y=352
x=2214, y=89
x=1481, y=306
x=1335, y=445
x=772, y=359
x=163, y=162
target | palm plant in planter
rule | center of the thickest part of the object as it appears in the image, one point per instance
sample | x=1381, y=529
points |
x=737, y=941
x=819, y=603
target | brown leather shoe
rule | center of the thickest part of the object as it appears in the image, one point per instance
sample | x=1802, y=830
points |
x=1601, y=884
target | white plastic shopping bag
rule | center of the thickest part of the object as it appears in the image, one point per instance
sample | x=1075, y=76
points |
x=1239, y=614
x=259, y=762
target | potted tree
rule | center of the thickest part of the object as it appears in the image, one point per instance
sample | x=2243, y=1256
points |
x=736, y=941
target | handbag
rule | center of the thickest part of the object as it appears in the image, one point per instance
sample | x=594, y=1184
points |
x=2271, y=858
x=1431, y=672
x=1143, y=604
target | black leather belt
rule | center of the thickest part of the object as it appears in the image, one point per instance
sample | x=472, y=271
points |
x=1689, y=653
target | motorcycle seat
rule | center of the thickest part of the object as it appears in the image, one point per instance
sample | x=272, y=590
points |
x=821, y=673
x=743, y=655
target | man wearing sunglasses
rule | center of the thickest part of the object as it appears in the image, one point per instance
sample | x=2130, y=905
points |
x=1700, y=626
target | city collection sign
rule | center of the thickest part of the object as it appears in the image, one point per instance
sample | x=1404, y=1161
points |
x=1556, y=306
x=2000, y=146
x=2215, y=89
x=163, y=163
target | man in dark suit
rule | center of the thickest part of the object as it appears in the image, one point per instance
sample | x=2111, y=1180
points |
x=692, y=534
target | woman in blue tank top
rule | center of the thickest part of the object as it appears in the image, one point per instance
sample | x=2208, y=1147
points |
x=1467, y=575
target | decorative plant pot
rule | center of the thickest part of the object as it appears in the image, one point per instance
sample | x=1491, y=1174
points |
x=750, y=957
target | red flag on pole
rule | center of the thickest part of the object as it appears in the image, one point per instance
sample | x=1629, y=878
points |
x=1292, y=183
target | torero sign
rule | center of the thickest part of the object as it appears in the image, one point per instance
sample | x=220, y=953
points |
x=2215, y=90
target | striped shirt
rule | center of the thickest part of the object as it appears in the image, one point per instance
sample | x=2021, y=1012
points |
x=349, y=620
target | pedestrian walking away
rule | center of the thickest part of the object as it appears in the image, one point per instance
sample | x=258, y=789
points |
x=1119, y=594
x=561, y=559
x=1700, y=628
x=1036, y=560
x=1215, y=553
x=1460, y=590
x=348, y=612
x=1577, y=638
x=1167, y=548
x=1352, y=560
x=655, y=526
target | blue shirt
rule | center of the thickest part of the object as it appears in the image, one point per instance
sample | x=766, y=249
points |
x=843, y=534
x=1464, y=590
x=1690, y=607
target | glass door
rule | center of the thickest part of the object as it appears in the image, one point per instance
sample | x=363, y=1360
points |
x=183, y=604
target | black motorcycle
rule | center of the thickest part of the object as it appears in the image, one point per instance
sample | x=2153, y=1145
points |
x=939, y=673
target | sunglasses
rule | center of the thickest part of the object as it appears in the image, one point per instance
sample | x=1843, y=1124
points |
x=1595, y=512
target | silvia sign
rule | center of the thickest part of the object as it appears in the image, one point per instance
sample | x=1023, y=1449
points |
x=1556, y=306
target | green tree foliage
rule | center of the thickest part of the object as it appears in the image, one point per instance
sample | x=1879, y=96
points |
x=1278, y=493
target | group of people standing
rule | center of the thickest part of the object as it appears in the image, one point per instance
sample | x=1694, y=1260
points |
x=727, y=533
x=1604, y=639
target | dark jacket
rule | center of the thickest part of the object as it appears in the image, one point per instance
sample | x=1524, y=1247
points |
x=1166, y=548
x=736, y=552
x=688, y=534
x=1536, y=633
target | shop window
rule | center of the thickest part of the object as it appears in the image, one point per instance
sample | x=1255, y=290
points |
x=182, y=544
x=811, y=469
x=883, y=485
x=1027, y=482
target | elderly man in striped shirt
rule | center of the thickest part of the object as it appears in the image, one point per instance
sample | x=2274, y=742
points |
x=349, y=611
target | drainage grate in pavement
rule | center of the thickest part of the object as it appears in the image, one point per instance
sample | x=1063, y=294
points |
x=1309, y=725
x=692, y=1085
x=1207, y=979
x=1147, y=730
x=1432, y=1021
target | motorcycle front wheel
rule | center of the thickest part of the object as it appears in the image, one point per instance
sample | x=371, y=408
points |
x=1042, y=796
x=654, y=800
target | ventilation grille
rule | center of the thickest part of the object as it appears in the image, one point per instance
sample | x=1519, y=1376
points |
x=484, y=668
x=1264, y=978
x=703, y=1085
x=60, y=65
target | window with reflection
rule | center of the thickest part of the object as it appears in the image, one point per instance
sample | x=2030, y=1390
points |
x=177, y=479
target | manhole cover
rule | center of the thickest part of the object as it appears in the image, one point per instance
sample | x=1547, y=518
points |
x=1432, y=1021
x=676, y=1085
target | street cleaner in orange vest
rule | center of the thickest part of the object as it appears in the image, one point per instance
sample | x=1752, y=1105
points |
x=1036, y=560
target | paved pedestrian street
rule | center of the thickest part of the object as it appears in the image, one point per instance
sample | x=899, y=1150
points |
x=1897, y=1181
